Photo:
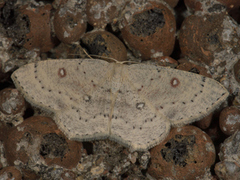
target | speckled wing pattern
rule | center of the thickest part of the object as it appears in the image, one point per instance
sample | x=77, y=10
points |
x=134, y=105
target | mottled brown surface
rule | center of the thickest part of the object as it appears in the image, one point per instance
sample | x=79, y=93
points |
x=229, y=120
x=205, y=122
x=40, y=34
x=193, y=68
x=147, y=37
x=172, y=3
x=10, y=173
x=199, y=39
x=101, y=12
x=182, y=155
x=31, y=138
x=104, y=44
x=11, y=101
x=69, y=24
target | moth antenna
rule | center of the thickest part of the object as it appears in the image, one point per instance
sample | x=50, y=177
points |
x=87, y=53
x=90, y=56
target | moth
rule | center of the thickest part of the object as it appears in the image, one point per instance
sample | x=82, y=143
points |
x=135, y=105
